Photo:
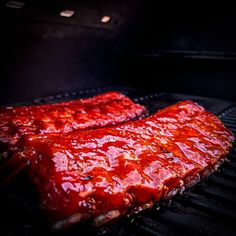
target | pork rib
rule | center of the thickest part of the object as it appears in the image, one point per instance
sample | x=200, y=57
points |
x=102, y=110
x=102, y=174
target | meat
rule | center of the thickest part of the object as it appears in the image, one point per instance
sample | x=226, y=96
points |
x=102, y=110
x=102, y=174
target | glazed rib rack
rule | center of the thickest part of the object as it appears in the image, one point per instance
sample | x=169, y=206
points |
x=207, y=209
x=105, y=109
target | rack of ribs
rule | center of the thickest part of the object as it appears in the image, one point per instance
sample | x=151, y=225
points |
x=102, y=110
x=99, y=175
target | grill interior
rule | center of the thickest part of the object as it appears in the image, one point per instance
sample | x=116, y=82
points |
x=207, y=209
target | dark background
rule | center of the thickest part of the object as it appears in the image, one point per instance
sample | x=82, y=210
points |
x=165, y=47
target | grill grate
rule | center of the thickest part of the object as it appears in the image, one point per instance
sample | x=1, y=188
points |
x=207, y=209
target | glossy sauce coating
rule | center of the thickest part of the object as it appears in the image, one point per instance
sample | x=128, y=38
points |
x=102, y=110
x=101, y=174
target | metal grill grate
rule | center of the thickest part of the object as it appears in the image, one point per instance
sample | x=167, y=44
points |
x=207, y=209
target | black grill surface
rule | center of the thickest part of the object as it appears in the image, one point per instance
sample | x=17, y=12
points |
x=209, y=208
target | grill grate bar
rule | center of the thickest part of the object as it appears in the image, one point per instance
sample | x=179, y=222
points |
x=222, y=182
x=229, y=173
x=115, y=229
x=190, y=221
x=216, y=193
x=231, y=164
x=145, y=225
x=230, y=116
x=232, y=155
x=210, y=206
x=229, y=124
x=228, y=119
